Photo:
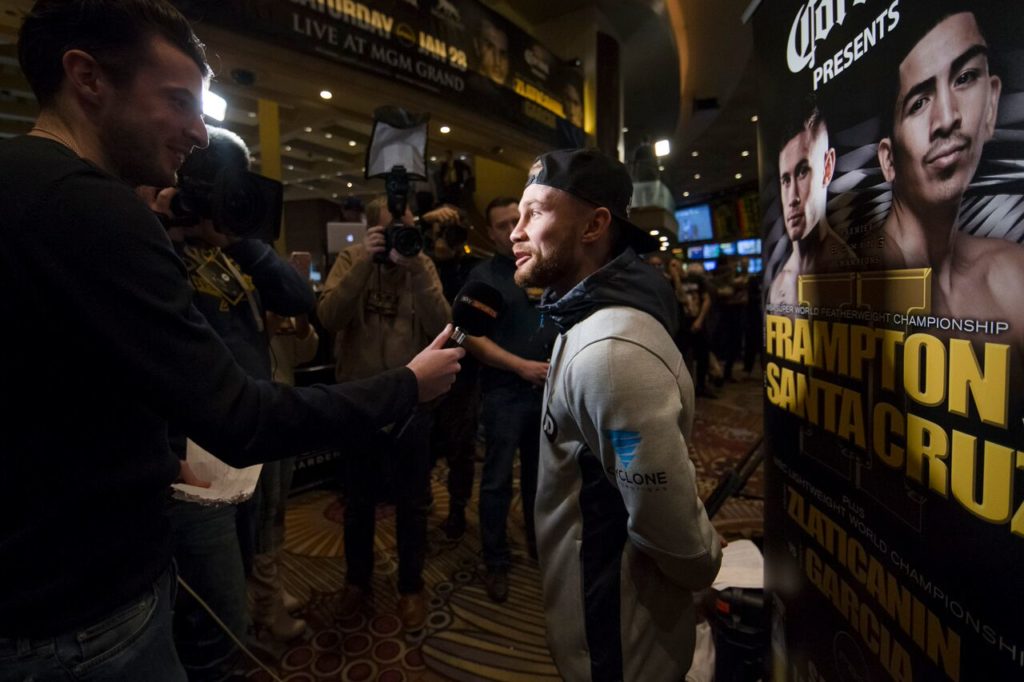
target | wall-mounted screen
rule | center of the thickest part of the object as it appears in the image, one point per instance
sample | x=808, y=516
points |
x=712, y=251
x=754, y=266
x=694, y=223
x=749, y=247
x=728, y=248
x=710, y=265
x=695, y=252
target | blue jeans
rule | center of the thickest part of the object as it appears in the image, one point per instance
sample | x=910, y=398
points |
x=209, y=558
x=132, y=643
x=511, y=419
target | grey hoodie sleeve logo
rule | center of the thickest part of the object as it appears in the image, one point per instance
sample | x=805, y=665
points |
x=549, y=426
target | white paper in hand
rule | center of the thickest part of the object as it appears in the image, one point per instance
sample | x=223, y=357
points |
x=228, y=485
x=742, y=566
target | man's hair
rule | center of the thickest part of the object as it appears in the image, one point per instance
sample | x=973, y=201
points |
x=498, y=202
x=808, y=116
x=915, y=23
x=116, y=33
x=375, y=209
x=225, y=151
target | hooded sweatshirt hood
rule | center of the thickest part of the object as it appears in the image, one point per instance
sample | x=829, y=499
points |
x=623, y=281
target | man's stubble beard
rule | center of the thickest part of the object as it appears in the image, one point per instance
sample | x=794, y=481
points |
x=544, y=273
x=130, y=153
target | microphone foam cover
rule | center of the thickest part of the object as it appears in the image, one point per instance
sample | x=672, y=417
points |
x=476, y=307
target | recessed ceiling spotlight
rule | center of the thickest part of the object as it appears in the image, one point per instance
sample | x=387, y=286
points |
x=349, y=185
x=662, y=148
x=308, y=129
x=695, y=153
x=326, y=94
x=445, y=130
x=252, y=114
x=328, y=135
x=625, y=129
x=661, y=168
x=738, y=176
x=290, y=167
x=287, y=147
x=334, y=195
x=323, y=176
x=744, y=153
x=433, y=159
x=686, y=194
x=696, y=176
x=330, y=159
x=351, y=143
x=653, y=233
x=753, y=119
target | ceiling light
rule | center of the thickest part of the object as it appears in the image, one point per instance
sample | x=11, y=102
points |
x=653, y=233
x=664, y=247
x=696, y=176
x=445, y=130
x=252, y=114
x=695, y=153
x=744, y=153
x=462, y=157
x=339, y=174
x=214, y=106
x=334, y=195
x=625, y=129
x=753, y=119
x=664, y=239
x=349, y=185
x=662, y=148
x=287, y=147
x=290, y=167
x=686, y=194
x=308, y=129
x=351, y=143
x=433, y=158
x=330, y=159
x=323, y=176
x=326, y=94
x=328, y=135
x=738, y=176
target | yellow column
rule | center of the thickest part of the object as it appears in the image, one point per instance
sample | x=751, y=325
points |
x=270, y=151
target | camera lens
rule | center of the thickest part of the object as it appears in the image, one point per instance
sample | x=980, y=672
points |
x=408, y=241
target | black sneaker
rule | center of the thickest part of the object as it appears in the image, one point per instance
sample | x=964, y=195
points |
x=454, y=527
x=496, y=584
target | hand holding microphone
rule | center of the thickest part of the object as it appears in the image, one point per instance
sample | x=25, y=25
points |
x=474, y=310
x=435, y=366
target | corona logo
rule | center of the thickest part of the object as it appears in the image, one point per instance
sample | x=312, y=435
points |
x=814, y=21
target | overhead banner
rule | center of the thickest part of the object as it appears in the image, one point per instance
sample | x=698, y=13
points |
x=892, y=195
x=453, y=48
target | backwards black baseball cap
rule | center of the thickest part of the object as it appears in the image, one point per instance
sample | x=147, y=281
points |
x=597, y=179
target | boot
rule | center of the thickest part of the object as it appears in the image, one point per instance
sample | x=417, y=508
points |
x=268, y=606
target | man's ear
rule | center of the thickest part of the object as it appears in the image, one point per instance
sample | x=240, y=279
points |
x=597, y=226
x=993, y=113
x=84, y=75
x=885, y=158
x=830, y=166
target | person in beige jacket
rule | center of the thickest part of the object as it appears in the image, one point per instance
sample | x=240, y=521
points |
x=382, y=313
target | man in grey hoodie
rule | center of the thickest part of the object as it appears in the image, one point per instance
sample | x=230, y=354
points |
x=622, y=536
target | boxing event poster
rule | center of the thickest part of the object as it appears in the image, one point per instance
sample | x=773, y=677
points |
x=891, y=137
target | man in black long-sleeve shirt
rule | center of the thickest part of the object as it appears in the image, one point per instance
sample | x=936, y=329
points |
x=117, y=349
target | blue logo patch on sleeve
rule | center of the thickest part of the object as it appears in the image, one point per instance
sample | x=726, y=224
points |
x=625, y=444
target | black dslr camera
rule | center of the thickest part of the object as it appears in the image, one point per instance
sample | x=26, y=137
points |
x=396, y=153
x=239, y=203
x=406, y=240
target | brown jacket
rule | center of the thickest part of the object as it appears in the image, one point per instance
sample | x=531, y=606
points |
x=370, y=339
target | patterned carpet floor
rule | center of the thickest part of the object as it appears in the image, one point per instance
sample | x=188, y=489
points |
x=467, y=636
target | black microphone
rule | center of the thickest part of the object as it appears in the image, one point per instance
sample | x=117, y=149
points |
x=474, y=310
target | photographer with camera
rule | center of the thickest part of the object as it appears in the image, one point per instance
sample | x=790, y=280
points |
x=237, y=280
x=118, y=349
x=383, y=298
